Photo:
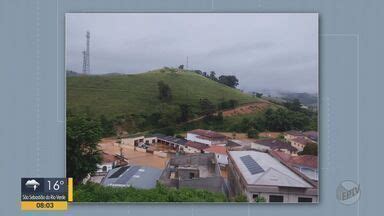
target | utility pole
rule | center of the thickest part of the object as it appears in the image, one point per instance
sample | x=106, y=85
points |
x=186, y=66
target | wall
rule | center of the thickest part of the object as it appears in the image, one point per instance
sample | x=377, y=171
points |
x=100, y=167
x=193, y=159
x=222, y=158
x=287, y=198
x=259, y=147
x=188, y=149
x=131, y=141
x=213, y=184
x=194, y=138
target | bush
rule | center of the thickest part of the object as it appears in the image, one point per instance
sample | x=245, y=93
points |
x=92, y=192
x=253, y=133
x=240, y=198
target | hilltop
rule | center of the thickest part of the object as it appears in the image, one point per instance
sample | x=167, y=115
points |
x=124, y=94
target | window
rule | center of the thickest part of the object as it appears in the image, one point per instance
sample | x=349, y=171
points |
x=275, y=198
x=305, y=199
x=104, y=168
x=191, y=175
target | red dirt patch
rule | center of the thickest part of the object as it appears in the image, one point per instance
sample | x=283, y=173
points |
x=248, y=108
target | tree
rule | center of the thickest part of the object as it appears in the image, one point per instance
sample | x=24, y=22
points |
x=253, y=133
x=83, y=135
x=230, y=81
x=185, y=112
x=212, y=75
x=181, y=67
x=278, y=120
x=207, y=107
x=259, y=95
x=295, y=105
x=309, y=149
x=107, y=126
x=165, y=93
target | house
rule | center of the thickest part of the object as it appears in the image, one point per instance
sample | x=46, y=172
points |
x=220, y=154
x=300, y=142
x=135, y=140
x=194, y=147
x=200, y=171
x=289, y=135
x=171, y=141
x=132, y=176
x=273, y=144
x=207, y=137
x=258, y=175
x=312, y=135
x=108, y=162
x=306, y=164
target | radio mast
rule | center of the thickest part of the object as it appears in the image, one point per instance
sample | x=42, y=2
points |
x=86, y=56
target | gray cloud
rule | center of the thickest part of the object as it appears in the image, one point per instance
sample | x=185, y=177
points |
x=265, y=51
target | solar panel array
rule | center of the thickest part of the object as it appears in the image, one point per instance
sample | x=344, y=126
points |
x=252, y=166
x=119, y=172
x=127, y=175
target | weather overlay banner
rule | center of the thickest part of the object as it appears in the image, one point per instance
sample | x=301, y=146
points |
x=45, y=193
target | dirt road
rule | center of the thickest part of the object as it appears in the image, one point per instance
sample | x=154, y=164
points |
x=109, y=145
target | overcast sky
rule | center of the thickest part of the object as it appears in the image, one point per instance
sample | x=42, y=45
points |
x=265, y=51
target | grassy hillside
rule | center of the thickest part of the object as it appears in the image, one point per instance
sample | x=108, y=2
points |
x=113, y=95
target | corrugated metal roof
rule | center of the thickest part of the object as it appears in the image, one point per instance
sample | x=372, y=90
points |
x=134, y=176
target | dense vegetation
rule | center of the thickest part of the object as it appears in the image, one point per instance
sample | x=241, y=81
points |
x=117, y=95
x=96, y=193
x=273, y=119
x=155, y=99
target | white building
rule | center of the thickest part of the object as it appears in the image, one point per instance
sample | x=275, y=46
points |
x=206, y=137
x=136, y=140
x=194, y=147
x=258, y=175
x=107, y=164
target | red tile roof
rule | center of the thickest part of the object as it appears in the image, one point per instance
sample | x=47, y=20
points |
x=301, y=140
x=107, y=158
x=217, y=150
x=301, y=160
x=208, y=134
x=275, y=144
x=197, y=145
x=313, y=135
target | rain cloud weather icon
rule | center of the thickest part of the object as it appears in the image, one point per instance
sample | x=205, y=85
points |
x=32, y=184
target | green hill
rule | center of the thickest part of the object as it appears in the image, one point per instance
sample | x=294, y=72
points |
x=114, y=95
